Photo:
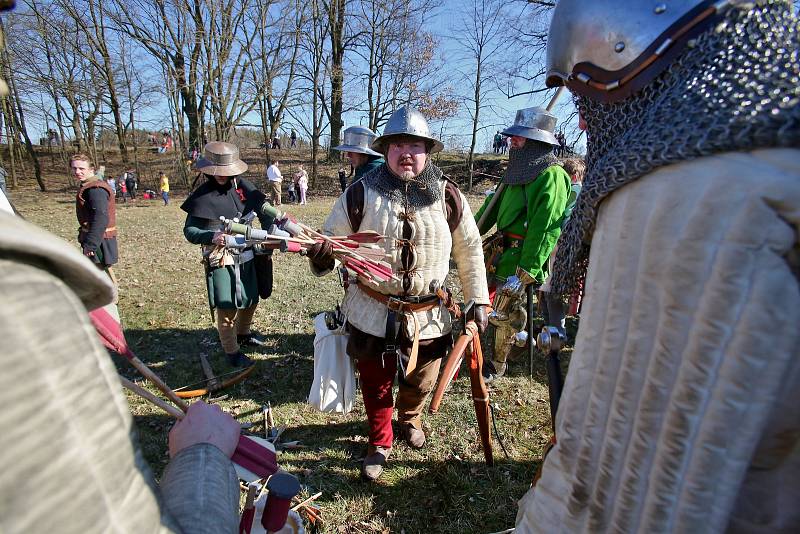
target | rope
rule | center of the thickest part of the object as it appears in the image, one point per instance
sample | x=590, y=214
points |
x=496, y=433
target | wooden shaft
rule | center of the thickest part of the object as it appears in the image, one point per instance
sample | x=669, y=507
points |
x=554, y=100
x=156, y=380
x=480, y=398
x=491, y=204
x=146, y=395
x=450, y=367
x=339, y=246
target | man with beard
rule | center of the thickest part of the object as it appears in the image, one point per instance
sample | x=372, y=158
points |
x=679, y=413
x=356, y=147
x=400, y=324
x=528, y=215
x=234, y=278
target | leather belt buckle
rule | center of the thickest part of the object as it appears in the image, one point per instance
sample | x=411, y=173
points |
x=395, y=305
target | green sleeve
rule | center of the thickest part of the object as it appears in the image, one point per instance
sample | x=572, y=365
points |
x=195, y=232
x=491, y=219
x=547, y=198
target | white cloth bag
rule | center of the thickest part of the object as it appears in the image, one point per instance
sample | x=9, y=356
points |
x=334, y=386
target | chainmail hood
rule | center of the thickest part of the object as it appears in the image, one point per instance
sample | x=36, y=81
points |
x=525, y=164
x=420, y=191
x=736, y=88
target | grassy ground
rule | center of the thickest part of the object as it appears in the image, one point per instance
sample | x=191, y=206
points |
x=445, y=487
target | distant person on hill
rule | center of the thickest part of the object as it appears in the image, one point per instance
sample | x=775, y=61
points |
x=164, y=187
x=356, y=146
x=275, y=178
x=342, y=178
x=301, y=180
x=293, y=139
x=131, y=183
x=112, y=183
x=276, y=142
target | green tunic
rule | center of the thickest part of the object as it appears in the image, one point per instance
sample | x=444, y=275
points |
x=535, y=211
x=221, y=281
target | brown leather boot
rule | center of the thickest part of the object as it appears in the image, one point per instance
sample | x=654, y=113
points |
x=413, y=436
x=374, y=462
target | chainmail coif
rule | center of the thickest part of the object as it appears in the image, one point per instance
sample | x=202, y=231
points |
x=736, y=88
x=422, y=190
x=526, y=163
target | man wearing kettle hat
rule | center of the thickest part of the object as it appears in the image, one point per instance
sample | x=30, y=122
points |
x=356, y=146
x=401, y=324
x=680, y=410
x=528, y=215
x=232, y=276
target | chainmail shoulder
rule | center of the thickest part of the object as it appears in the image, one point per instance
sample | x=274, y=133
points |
x=526, y=163
x=735, y=88
x=421, y=191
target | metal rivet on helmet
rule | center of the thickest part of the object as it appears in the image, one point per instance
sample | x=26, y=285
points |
x=358, y=139
x=534, y=123
x=406, y=121
x=599, y=54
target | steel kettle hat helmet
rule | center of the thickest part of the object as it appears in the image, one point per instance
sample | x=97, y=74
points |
x=534, y=123
x=220, y=159
x=406, y=121
x=600, y=54
x=358, y=139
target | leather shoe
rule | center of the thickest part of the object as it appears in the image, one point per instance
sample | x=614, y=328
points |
x=251, y=340
x=493, y=370
x=373, y=464
x=237, y=359
x=414, y=437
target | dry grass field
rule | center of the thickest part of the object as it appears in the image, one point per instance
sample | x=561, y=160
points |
x=445, y=487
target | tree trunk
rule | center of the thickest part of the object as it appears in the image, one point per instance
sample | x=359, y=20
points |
x=336, y=12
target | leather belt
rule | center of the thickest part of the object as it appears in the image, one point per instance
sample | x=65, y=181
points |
x=397, y=307
x=402, y=304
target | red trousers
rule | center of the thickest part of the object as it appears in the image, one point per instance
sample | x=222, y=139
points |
x=377, y=373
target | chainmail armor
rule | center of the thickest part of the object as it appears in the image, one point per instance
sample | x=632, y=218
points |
x=421, y=191
x=736, y=88
x=526, y=163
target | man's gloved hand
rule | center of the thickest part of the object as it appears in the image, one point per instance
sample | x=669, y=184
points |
x=321, y=255
x=481, y=318
x=526, y=278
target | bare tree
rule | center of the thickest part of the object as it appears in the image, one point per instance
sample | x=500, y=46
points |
x=91, y=18
x=479, y=32
x=312, y=71
x=398, y=58
x=273, y=61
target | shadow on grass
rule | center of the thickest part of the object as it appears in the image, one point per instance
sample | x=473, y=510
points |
x=457, y=495
x=283, y=372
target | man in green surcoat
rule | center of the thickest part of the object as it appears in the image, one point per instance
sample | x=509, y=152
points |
x=234, y=278
x=528, y=215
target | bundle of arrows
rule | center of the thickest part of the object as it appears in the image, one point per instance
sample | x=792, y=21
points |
x=357, y=252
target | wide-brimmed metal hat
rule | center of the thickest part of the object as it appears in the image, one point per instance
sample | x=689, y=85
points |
x=220, y=159
x=406, y=121
x=358, y=139
x=534, y=123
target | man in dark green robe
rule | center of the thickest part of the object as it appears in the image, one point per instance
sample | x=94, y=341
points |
x=232, y=275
